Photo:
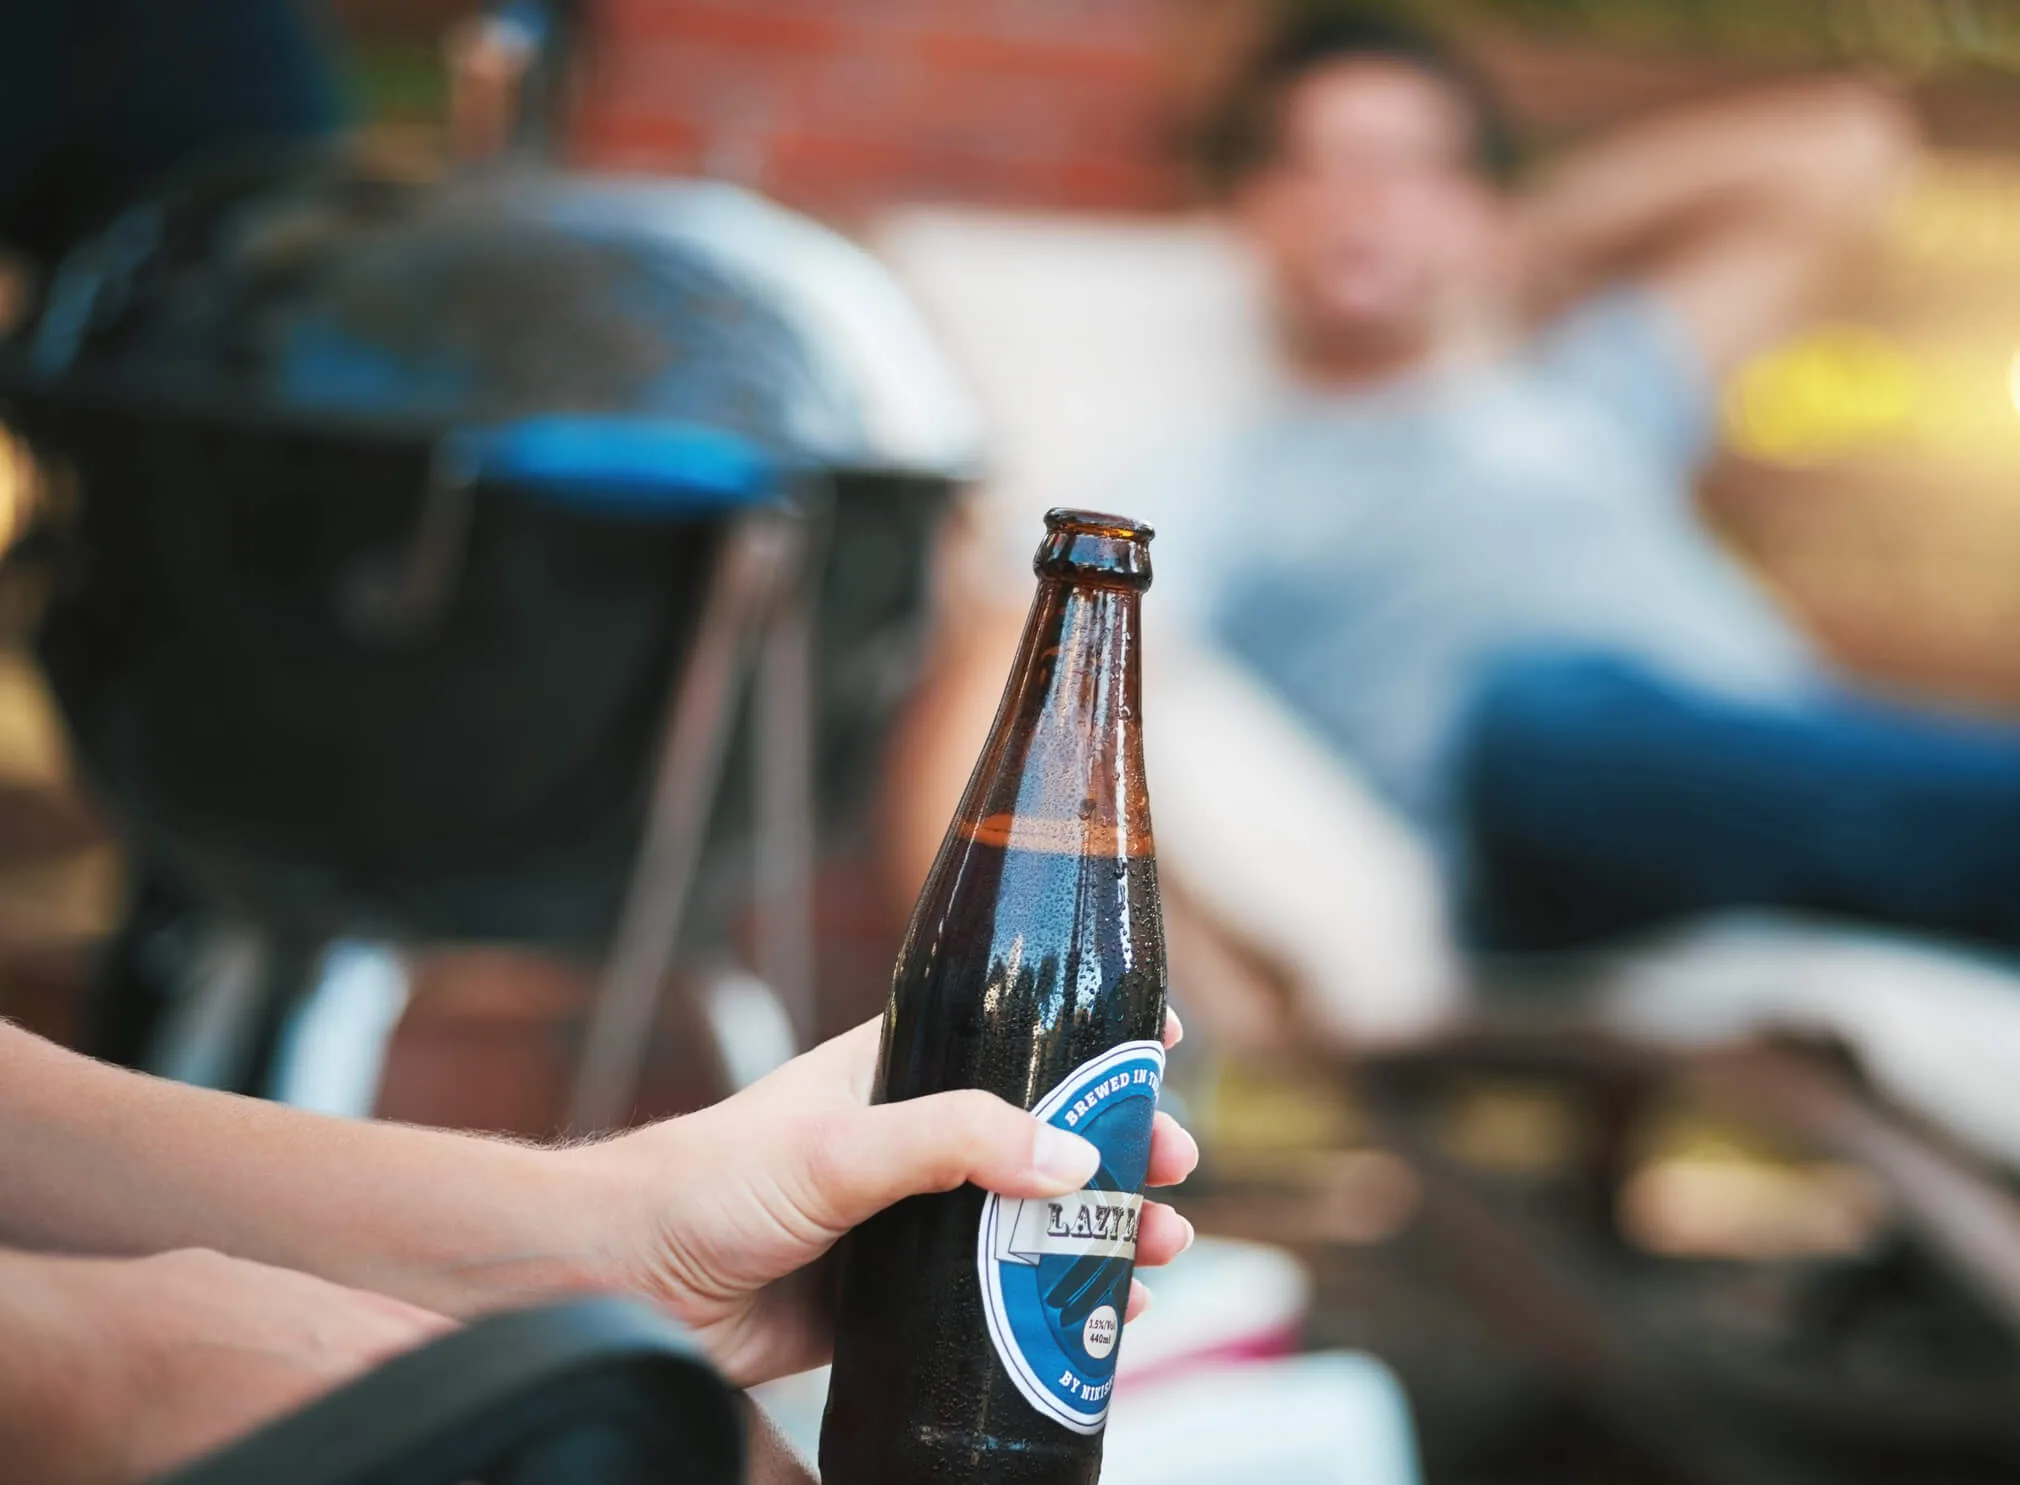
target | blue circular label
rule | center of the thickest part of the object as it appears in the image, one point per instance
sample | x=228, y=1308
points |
x=1055, y=1270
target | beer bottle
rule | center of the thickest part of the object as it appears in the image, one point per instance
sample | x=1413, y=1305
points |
x=977, y=1335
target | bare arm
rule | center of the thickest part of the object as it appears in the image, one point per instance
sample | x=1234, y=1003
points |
x=1735, y=212
x=94, y=1159
x=113, y=1371
x=1288, y=874
x=941, y=735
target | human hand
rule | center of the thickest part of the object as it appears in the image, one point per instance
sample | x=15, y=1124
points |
x=745, y=1196
x=143, y=1364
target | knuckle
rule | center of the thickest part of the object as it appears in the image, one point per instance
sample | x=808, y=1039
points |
x=825, y=1144
x=982, y=1119
x=971, y=1122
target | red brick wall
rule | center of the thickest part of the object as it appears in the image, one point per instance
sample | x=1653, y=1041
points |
x=842, y=106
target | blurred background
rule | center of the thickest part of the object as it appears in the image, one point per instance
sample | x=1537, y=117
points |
x=1730, y=1210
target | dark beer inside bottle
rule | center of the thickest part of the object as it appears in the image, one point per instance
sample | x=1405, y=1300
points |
x=1036, y=945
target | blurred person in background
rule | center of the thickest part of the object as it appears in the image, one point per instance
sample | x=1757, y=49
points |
x=1463, y=548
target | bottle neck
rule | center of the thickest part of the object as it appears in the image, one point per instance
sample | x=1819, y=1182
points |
x=1063, y=768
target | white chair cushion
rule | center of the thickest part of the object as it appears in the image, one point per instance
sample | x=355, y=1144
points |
x=1936, y=1028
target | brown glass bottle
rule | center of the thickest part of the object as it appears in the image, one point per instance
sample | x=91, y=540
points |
x=976, y=1337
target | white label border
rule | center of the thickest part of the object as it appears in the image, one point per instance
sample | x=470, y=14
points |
x=990, y=1272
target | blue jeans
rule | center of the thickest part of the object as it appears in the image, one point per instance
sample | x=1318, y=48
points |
x=1601, y=798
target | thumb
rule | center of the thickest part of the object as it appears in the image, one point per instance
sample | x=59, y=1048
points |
x=884, y=1153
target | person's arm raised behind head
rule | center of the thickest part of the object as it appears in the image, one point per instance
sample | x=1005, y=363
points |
x=1735, y=213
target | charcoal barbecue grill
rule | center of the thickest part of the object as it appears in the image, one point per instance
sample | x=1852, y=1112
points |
x=403, y=509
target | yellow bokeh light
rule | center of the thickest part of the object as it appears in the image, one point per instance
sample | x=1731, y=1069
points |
x=13, y=491
x=21, y=489
x=1837, y=390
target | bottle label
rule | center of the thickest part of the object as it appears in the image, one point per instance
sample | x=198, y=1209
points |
x=1055, y=1270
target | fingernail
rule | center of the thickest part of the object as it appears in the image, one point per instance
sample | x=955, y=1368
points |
x=1191, y=1232
x=1063, y=1157
x=1174, y=1029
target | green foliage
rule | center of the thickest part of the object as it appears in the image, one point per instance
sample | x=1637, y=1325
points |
x=397, y=80
x=1908, y=36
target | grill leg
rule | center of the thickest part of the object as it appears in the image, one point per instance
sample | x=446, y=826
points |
x=208, y=1034
x=756, y=559
x=784, y=951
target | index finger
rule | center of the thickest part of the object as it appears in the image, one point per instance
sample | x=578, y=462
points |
x=842, y=1065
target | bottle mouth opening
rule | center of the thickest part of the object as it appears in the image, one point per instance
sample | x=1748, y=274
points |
x=1064, y=521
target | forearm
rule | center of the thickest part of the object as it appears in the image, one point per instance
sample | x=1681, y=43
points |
x=53, y=1360
x=96, y=1159
x=1821, y=157
x=935, y=745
